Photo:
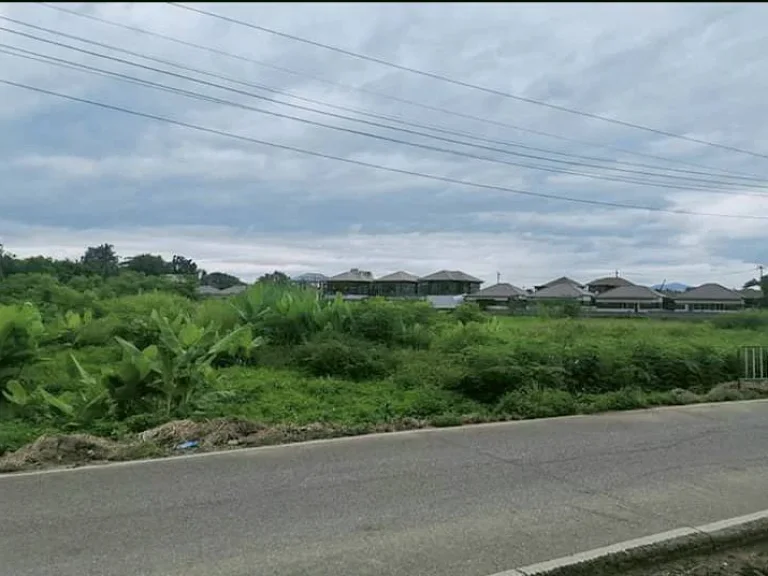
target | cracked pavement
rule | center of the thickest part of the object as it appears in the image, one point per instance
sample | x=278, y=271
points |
x=467, y=501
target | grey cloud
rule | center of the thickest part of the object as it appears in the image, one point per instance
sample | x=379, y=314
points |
x=689, y=70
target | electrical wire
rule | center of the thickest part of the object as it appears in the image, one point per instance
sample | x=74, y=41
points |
x=30, y=55
x=382, y=95
x=464, y=84
x=380, y=167
x=386, y=138
x=366, y=113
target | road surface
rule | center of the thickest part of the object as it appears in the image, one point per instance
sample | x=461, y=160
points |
x=453, y=502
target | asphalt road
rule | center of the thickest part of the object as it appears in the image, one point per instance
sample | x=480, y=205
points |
x=454, y=502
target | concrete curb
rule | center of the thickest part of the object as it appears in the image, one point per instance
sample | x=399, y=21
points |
x=662, y=547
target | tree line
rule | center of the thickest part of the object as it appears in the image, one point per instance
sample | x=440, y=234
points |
x=103, y=261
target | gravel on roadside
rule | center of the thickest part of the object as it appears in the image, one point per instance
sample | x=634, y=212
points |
x=749, y=560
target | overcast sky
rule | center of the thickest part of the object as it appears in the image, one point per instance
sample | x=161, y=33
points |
x=75, y=175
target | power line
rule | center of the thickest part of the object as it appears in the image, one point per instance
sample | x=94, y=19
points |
x=456, y=82
x=20, y=52
x=382, y=95
x=699, y=187
x=364, y=164
x=373, y=115
x=384, y=117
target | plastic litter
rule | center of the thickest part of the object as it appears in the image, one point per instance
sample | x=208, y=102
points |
x=187, y=445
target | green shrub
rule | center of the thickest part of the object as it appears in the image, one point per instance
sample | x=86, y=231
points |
x=742, y=321
x=467, y=312
x=626, y=399
x=537, y=403
x=219, y=312
x=493, y=371
x=330, y=354
x=21, y=329
x=456, y=337
x=419, y=369
x=173, y=370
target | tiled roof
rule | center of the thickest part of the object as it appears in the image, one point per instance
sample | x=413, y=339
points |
x=561, y=280
x=751, y=294
x=630, y=293
x=311, y=277
x=614, y=281
x=353, y=275
x=710, y=292
x=450, y=276
x=502, y=290
x=398, y=277
x=563, y=290
x=236, y=289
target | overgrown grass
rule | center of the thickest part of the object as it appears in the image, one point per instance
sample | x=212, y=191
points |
x=144, y=359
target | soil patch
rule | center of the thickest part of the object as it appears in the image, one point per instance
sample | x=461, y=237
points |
x=73, y=449
x=181, y=437
x=751, y=560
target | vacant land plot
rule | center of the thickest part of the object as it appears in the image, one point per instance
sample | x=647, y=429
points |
x=278, y=357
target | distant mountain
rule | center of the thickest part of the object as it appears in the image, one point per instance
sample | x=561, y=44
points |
x=672, y=287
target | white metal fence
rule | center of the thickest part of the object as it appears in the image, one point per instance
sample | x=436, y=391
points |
x=754, y=363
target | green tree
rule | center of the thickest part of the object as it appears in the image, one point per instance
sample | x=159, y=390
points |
x=101, y=260
x=275, y=277
x=7, y=262
x=182, y=265
x=149, y=264
x=220, y=280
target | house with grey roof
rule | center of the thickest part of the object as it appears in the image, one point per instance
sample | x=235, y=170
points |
x=600, y=285
x=753, y=297
x=563, y=292
x=448, y=283
x=561, y=280
x=312, y=280
x=630, y=297
x=709, y=298
x=354, y=282
x=211, y=291
x=397, y=285
x=502, y=294
x=208, y=291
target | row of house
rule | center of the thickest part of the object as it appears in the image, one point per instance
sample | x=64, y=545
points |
x=361, y=283
x=611, y=292
x=447, y=288
x=614, y=292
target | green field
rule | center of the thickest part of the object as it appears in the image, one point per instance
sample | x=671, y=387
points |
x=113, y=365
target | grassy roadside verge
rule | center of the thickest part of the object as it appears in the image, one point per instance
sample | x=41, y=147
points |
x=40, y=447
x=277, y=364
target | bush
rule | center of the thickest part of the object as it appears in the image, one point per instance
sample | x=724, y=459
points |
x=493, y=371
x=745, y=321
x=169, y=374
x=467, y=312
x=420, y=369
x=330, y=354
x=21, y=329
x=537, y=403
x=456, y=337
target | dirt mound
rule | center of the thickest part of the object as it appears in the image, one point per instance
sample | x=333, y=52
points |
x=218, y=433
x=745, y=390
x=206, y=434
x=61, y=451
x=177, y=437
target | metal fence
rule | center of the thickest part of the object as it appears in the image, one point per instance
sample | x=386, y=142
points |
x=754, y=363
